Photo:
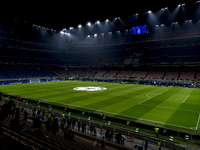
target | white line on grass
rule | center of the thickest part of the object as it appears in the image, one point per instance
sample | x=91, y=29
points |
x=153, y=96
x=125, y=115
x=170, y=108
x=186, y=98
x=198, y=122
x=165, y=123
x=149, y=94
x=86, y=108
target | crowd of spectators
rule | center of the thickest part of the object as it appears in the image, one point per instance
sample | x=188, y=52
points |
x=45, y=122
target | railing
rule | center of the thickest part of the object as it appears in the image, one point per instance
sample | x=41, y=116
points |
x=130, y=135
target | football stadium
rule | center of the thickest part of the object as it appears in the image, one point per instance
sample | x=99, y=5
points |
x=106, y=79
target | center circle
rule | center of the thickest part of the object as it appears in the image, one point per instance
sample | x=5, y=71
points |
x=89, y=88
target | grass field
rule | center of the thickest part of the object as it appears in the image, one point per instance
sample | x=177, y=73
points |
x=175, y=108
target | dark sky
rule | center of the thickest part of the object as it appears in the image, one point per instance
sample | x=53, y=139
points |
x=60, y=14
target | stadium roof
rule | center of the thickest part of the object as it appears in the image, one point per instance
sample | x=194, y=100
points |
x=58, y=15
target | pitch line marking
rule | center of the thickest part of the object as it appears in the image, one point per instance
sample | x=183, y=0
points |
x=198, y=122
x=171, y=108
x=149, y=94
x=165, y=123
x=127, y=115
x=153, y=96
x=186, y=98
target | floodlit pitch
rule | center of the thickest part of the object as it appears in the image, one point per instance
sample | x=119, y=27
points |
x=175, y=108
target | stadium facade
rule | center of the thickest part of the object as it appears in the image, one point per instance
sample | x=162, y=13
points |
x=158, y=47
x=166, y=52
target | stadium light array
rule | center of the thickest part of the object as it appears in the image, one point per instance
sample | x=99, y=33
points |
x=44, y=28
x=107, y=20
x=62, y=32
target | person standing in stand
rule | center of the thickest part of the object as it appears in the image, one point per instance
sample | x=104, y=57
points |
x=101, y=115
x=79, y=125
x=159, y=145
x=145, y=144
x=66, y=108
x=156, y=129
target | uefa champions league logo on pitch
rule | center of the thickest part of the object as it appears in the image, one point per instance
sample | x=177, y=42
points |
x=90, y=88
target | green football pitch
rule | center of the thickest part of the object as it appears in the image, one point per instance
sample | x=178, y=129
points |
x=174, y=108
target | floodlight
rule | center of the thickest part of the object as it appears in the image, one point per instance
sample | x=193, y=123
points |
x=79, y=26
x=95, y=34
x=149, y=11
x=89, y=24
x=107, y=20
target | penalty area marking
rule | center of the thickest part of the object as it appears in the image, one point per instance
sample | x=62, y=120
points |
x=153, y=96
x=149, y=94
